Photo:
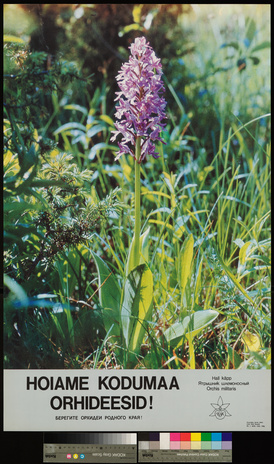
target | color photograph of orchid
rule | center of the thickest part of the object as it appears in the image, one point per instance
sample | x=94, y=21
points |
x=137, y=186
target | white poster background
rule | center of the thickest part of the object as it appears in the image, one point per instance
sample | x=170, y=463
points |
x=215, y=400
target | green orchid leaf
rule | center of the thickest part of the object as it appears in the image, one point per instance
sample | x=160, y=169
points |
x=109, y=296
x=144, y=251
x=190, y=326
x=136, y=311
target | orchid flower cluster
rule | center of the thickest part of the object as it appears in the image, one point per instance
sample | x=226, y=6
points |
x=139, y=113
x=141, y=107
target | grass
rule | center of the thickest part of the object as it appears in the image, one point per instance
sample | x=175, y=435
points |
x=206, y=202
x=226, y=209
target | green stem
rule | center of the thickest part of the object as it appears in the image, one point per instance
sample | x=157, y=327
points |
x=191, y=352
x=137, y=225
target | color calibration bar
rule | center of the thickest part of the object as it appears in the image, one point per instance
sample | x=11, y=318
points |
x=185, y=447
x=93, y=438
x=90, y=448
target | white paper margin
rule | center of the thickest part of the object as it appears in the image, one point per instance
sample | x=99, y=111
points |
x=216, y=400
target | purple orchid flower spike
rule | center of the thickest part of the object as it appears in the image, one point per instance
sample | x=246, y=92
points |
x=141, y=108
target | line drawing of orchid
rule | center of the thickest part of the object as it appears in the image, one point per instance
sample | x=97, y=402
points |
x=220, y=409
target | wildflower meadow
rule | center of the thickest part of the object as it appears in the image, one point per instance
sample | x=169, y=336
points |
x=137, y=186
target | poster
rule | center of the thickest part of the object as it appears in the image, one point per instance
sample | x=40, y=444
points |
x=78, y=353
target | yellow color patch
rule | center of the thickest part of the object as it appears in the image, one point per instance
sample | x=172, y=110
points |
x=252, y=341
